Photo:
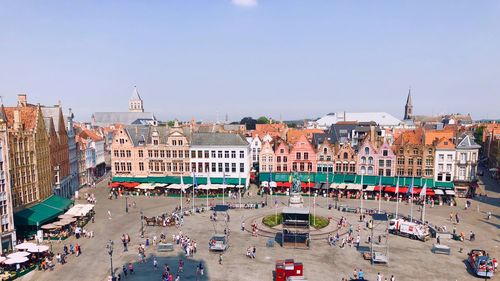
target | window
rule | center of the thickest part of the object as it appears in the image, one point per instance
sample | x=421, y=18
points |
x=328, y=158
x=381, y=163
x=141, y=166
x=150, y=153
x=220, y=167
x=207, y=154
x=278, y=159
x=449, y=157
x=346, y=155
x=441, y=157
x=285, y=159
x=214, y=154
x=193, y=167
x=370, y=170
x=141, y=153
x=410, y=161
x=278, y=168
x=419, y=172
x=301, y=167
x=400, y=171
x=285, y=167
x=429, y=151
x=294, y=167
x=186, y=166
x=226, y=167
x=363, y=160
x=169, y=153
x=448, y=168
x=155, y=142
x=297, y=156
x=388, y=163
x=385, y=152
x=363, y=170
x=440, y=168
x=214, y=168
x=233, y=167
x=233, y=154
x=415, y=151
x=180, y=142
x=463, y=157
x=401, y=161
x=242, y=168
x=309, y=167
x=428, y=162
x=410, y=172
x=181, y=167
x=226, y=154
x=122, y=153
x=282, y=150
x=180, y=154
x=325, y=150
x=174, y=167
x=306, y=156
x=321, y=158
x=207, y=167
x=162, y=166
x=162, y=153
x=117, y=166
x=174, y=153
x=186, y=153
x=174, y=142
x=388, y=172
x=200, y=154
x=370, y=160
x=129, y=166
x=193, y=154
x=155, y=153
x=115, y=153
x=419, y=161
x=367, y=150
x=219, y=154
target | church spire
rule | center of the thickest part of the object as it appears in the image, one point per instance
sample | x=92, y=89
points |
x=408, y=106
x=135, y=103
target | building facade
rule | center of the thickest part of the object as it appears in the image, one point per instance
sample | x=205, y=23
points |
x=303, y=156
x=59, y=149
x=444, y=161
x=7, y=230
x=267, y=160
x=345, y=159
x=325, y=157
x=29, y=160
x=255, y=147
x=220, y=155
x=414, y=157
x=281, y=156
x=74, y=181
x=466, y=159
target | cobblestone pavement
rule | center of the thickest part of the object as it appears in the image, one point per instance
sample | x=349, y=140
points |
x=409, y=259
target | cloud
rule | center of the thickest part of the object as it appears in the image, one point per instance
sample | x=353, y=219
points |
x=245, y=3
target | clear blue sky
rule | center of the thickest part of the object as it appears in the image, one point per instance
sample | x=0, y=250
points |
x=291, y=57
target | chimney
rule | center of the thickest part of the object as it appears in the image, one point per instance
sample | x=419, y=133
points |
x=21, y=100
x=17, y=119
x=372, y=133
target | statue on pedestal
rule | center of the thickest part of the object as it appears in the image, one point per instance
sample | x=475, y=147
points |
x=295, y=199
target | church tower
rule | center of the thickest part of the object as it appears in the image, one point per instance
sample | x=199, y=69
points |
x=135, y=104
x=408, y=107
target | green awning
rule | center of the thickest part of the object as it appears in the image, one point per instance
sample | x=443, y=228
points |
x=42, y=212
x=444, y=185
x=177, y=180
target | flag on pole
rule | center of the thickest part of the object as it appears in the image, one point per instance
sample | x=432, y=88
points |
x=195, y=182
x=397, y=187
x=183, y=187
x=410, y=188
x=423, y=191
x=224, y=179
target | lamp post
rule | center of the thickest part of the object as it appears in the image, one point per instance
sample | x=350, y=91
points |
x=109, y=246
x=126, y=203
x=142, y=224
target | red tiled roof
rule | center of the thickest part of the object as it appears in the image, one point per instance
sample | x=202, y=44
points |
x=89, y=134
x=28, y=116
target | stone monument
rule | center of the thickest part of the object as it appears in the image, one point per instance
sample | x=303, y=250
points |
x=295, y=199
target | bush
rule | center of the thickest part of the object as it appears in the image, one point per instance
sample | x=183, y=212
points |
x=273, y=220
x=321, y=222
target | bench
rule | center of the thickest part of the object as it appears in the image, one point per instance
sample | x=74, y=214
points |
x=441, y=249
x=165, y=247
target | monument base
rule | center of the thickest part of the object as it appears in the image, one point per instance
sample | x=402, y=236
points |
x=295, y=200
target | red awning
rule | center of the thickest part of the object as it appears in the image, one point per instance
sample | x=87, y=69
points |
x=378, y=188
x=279, y=184
x=416, y=190
x=115, y=184
x=287, y=184
x=402, y=189
x=429, y=192
x=307, y=185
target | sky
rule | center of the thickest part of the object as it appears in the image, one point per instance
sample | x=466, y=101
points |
x=296, y=59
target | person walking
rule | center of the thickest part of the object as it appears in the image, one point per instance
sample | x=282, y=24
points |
x=379, y=277
x=124, y=269
x=155, y=264
x=131, y=268
x=361, y=274
x=357, y=241
x=438, y=240
x=220, y=259
x=109, y=214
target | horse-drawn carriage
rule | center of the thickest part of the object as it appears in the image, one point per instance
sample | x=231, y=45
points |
x=161, y=221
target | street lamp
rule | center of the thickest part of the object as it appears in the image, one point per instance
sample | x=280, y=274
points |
x=142, y=224
x=126, y=203
x=109, y=246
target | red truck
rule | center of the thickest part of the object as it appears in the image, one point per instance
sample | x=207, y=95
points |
x=289, y=270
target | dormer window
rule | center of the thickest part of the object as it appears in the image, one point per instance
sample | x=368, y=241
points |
x=367, y=150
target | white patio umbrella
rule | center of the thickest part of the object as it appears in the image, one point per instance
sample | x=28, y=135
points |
x=39, y=249
x=62, y=223
x=18, y=254
x=24, y=246
x=49, y=226
x=66, y=216
x=2, y=259
x=69, y=220
x=16, y=260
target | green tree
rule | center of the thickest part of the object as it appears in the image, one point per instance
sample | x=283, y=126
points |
x=478, y=135
x=263, y=120
x=171, y=123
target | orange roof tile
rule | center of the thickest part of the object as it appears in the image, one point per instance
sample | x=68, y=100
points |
x=89, y=134
x=28, y=116
x=293, y=135
x=445, y=143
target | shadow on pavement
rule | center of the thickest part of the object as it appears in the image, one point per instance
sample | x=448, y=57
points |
x=146, y=271
x=492, y=224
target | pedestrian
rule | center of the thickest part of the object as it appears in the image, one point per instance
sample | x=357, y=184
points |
x=131, y=268
x=457, y=218
x=451, y=216
x=438, y=240
x=357, y=241
x=124, y=269
x=155, y=264
x=109, y=214
x=361, y=274
x=220, y=259
x=379, y=277
x=242, y=226
x=355, y=274
x=393, y=278
x=489, y=215
x=119, y=277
